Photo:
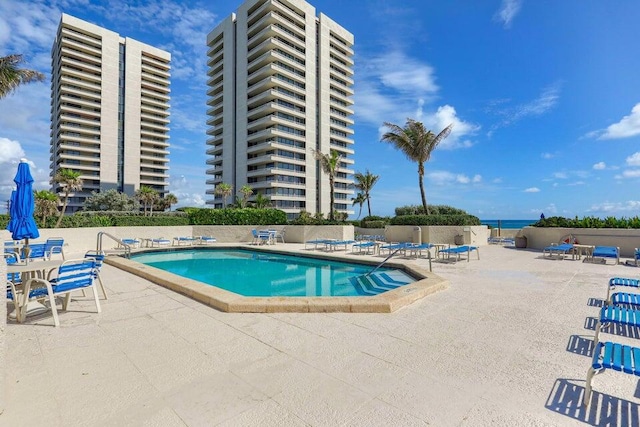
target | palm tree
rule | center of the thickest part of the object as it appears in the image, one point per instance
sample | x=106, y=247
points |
x=71, y=182
x=147, y=196
x=365, y=183
x=170, y=199
x=417, y=143
x=246, y=192
x=329, y=164
x=359, y=199
x=11, y=76
x=46, y=204
x=223, y=190
x=261, y=201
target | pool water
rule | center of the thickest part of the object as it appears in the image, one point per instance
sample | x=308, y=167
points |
x=261, y=274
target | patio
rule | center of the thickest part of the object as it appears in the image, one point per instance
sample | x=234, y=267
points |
x=507, y=343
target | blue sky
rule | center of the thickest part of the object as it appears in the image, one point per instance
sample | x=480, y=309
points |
x=544, y=96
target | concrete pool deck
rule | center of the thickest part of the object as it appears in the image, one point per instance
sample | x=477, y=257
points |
x=507, y=343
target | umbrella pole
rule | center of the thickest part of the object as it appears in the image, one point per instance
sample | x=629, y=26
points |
x=26, y=251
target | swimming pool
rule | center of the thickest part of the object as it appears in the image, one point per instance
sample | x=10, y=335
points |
x=264, y=274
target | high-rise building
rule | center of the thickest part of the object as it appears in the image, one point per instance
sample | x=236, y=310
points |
x=279, y=87
x=109, y=110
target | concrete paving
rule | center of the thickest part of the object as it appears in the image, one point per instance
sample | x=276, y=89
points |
x=508, y=343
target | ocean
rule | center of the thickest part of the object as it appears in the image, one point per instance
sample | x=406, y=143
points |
x=508, y=223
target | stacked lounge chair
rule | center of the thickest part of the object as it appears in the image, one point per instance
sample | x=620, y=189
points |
x=459, y=250
x=606, y=252
x=559, y=250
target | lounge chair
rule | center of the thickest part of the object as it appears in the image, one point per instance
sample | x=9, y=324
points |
x=606, y=252
x=416, y=249
x=72, y=275
x=159, y=242
x=133, y=243
x=621, y=281
x=396, y=247
x=206, y=240
x=365, y=246
x=183, y=240
x=335, y=244
x=318, y=242
x=636, y=256
x=459, y=250
x=612, y=314
x=608, y=355
x=624, y=298
x=559, y=250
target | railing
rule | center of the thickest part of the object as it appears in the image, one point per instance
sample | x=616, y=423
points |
x=384, y=261
x=127, y=248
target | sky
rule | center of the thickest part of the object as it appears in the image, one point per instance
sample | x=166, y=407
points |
x=543, y=95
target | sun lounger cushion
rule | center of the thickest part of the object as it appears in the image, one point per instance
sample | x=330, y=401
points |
x=607, y=252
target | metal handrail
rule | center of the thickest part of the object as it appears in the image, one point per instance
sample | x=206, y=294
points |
x=127, y=248
x=384, y=261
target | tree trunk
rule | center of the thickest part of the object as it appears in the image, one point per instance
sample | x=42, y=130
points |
x=420, y=180
x=331, y=195
x=64, y=208
x=369, y=205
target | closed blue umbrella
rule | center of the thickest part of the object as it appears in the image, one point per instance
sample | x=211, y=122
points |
x=22, y=225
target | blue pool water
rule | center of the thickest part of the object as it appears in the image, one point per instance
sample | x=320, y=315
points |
x=261, y=274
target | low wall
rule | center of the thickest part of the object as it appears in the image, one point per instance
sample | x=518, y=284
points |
x=471, y=235
x=625, y=239
x=80, y=240
x=3, y=337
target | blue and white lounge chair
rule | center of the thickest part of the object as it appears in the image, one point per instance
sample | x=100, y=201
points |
x=206, y=240
x=608, y=355
x=184, y=240
x=72, y=275
x=621, y=281
x=318, y=242
x=459, y=250
x=365, y=246
x=612, y=314
x=336, y=244
x=607, y=252
x=159, y=242
x=559, y=250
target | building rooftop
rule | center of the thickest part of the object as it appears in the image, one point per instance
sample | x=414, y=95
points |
x=507, y=343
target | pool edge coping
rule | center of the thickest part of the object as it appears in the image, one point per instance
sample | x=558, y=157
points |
x=231, y=302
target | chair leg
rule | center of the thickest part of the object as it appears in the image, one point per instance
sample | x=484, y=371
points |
x=596, y=338
x=95, y=297
x=104, y=291
x=587, y=388
x=54, y=309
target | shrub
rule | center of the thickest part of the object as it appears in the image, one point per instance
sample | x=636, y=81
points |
x=243, y=216
x=435, y=220
x=589, y=222
x=376, y=223
x=433, y=210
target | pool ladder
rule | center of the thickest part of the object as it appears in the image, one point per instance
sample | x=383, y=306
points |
x=101, y=234
x=389, y=257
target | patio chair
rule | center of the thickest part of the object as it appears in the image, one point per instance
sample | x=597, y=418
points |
x=607, y=252
x=260, y=237
x=608, y=355
x=72, y=275
x=275, y=234
x=54, y=246
x=98, y=256
x=559, y=250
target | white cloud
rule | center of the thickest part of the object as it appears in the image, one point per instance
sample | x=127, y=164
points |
x=546, y=101
x=600, y=166
x=632, y=173
x=634, y=159
x=627, y=127
x=445, y=178
x=547, y=156
x=497, y=181
x=394, y=87
x=508, y=10
x=10, y=151
x=532, y=190
x=615, y=207
x=560, y=175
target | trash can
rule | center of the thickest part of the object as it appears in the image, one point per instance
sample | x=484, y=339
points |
x=458, y=239
x=416, y=236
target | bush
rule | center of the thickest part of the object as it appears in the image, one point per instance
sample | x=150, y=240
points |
x=243, y=216
x=436, y=220
x=589, y=222
x=433, y=210
x=374, y=223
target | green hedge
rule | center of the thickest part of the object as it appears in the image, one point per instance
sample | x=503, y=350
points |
x=376, y=223
x=246, y=216
x=435, y=220
x=589, y=222
x=433, y=210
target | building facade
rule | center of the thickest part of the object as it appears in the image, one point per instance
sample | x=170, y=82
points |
x=279, y=87
x=109, y=111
